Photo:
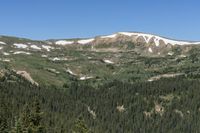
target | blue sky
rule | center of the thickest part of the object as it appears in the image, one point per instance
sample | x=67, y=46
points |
x=45, y=19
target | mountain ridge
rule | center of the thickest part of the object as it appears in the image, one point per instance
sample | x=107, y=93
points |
x=99, y=36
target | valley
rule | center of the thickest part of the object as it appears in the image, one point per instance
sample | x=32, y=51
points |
x=121, y=83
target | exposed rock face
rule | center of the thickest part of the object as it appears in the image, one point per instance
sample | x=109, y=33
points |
x=141, y=41
x=159, y=109
x=121, y=108
x=148, y=114
x=139, y=38
x=27, y=77
x=92, y=113
x=2, y=73
x=165, y=76
x=179, y=112
x=122, y=41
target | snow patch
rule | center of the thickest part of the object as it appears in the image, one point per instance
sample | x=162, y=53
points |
x=170, y=53
x=150, y=50
x=5, y=53
x=20, y=45
x=85, y=41
x=53, y=70
x=58, y=59
x=157, y=39
x=110, y=36
x=63, y=42
x=35, y=47
x=44, y=56
x=127, y=33
x=86, y=78
x=182, y=56
x=157, y=42
x=3, y=43
x=48, y=42
x=70, y=72
x=55, y=59
x=48, y=48
x=5, y=60
x=22, y=52
x=108, y=62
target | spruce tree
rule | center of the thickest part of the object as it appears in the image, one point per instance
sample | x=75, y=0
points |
x=3, y=118
x=80, y=126
x=18, y=127
x=36, y=119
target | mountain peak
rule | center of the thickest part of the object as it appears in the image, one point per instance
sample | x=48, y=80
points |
x=148, y=38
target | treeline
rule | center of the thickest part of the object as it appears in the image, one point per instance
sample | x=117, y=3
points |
x=167, y=105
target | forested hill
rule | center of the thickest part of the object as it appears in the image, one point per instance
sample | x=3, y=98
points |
x=121, y=83
x=167, y=105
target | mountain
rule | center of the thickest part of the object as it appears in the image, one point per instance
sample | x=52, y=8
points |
x=57, y=62
x=134, y=37
x=121, y=83
x=149, y=43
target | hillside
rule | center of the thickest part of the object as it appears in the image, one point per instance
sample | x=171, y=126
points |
x=122, y=83
x=122, y=56
x=167, y=105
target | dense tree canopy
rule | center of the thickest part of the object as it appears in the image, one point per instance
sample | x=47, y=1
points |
x=167, y=105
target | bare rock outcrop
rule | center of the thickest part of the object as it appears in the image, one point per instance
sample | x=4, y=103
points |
x=27, y=76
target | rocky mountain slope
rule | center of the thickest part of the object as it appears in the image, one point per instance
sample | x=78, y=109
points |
x=128, y=37
x=142, y=42
x=126, y=56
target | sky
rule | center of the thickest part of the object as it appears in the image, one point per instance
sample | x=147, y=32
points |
x=58, y=19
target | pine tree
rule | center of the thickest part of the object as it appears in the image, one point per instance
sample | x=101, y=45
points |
x=3, y=118
x=36, y=119
x=80, y=126
x=3, y=125
x=18, y=127
x=25, y=118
